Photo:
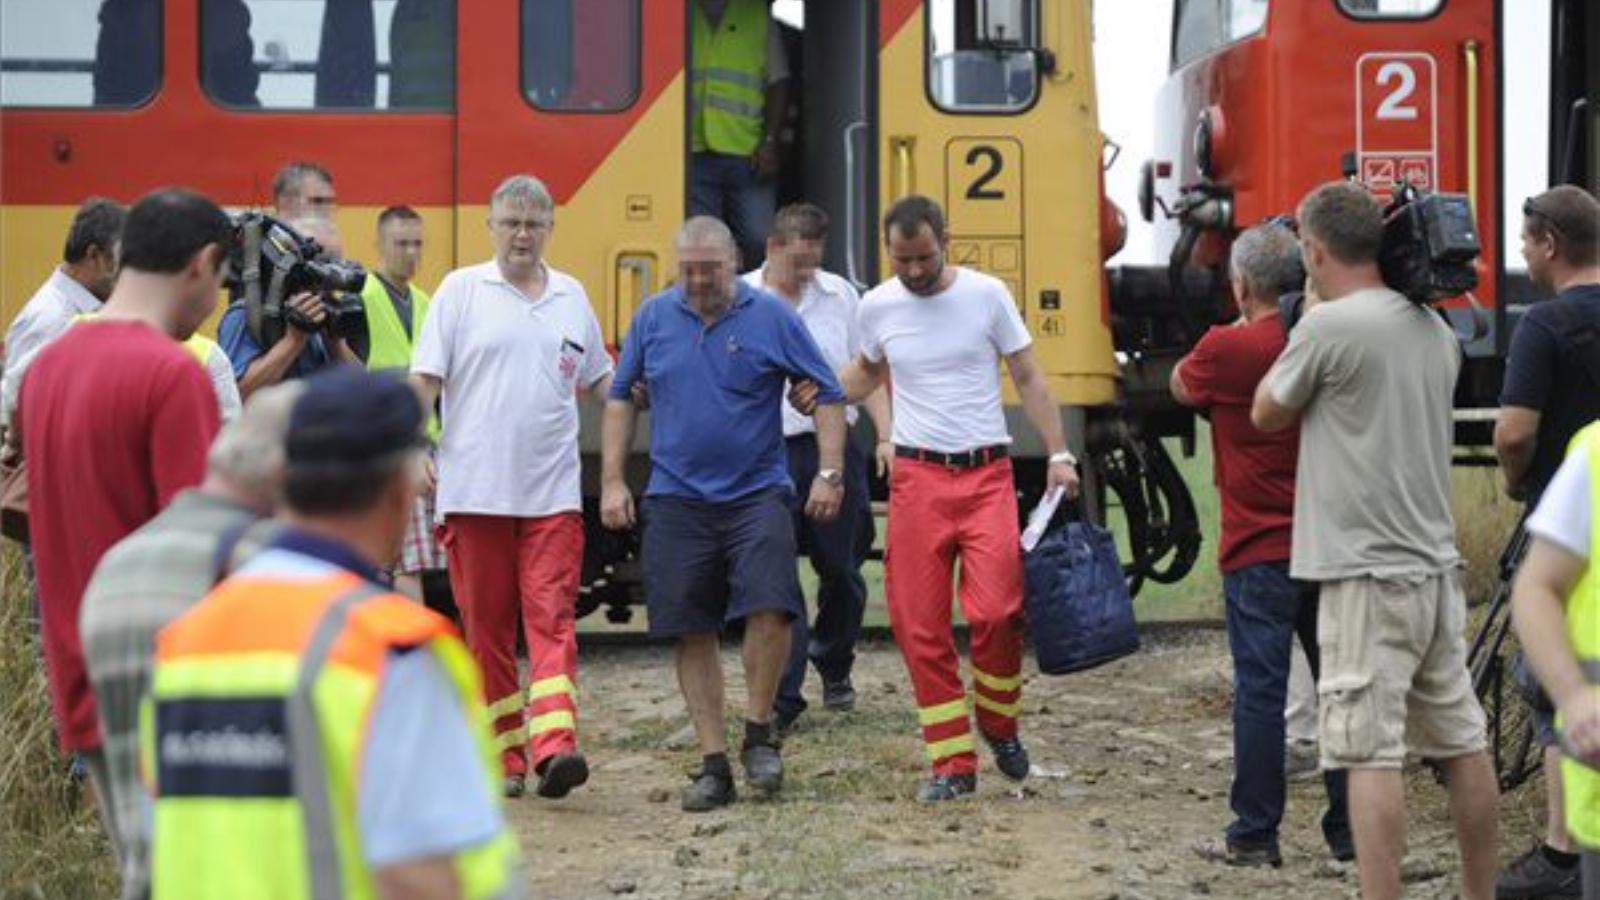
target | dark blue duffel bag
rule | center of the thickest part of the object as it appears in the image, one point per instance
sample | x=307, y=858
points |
x=1078, y=606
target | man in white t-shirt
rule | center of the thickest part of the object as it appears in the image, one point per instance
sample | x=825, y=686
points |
x=940, y=332
x=509, y=343
x=828, y=305
x=1556, y=607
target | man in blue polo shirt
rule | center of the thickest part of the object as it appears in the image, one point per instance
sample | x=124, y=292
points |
x=714, y=354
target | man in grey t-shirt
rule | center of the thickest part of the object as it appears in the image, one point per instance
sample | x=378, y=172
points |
x=1370, y=377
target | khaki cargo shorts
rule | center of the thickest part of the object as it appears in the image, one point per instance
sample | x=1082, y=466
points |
x=1394, y=672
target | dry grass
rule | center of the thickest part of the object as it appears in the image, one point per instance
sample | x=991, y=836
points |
x=51, y=842
x=1485, y=518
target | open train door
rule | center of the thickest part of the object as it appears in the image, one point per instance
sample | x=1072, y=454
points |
x=988, y=106
x=586, y=95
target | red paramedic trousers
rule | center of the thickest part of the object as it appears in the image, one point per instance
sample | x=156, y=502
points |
x=503, y=566
x=937, y=515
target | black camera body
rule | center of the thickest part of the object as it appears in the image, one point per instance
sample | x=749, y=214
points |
x=1429, y=244
x=270, y=262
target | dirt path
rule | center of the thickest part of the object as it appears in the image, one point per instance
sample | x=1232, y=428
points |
x=1135, y=761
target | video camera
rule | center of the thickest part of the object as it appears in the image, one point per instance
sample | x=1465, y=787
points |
x=270, y=262
x=1429, y=243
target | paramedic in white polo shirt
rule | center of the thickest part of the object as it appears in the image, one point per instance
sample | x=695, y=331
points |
x=828, y=305
x=940, y=332
x=510, y=343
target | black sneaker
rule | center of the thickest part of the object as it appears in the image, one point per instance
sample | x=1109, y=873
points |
x=560, y=774
x=783, y=724
x=514, y=786
x=838, y=696
x=1213, y=850
x=708, y=791
x=947, y=787
x=763, y=768
x=1532, y=876
x=1010, y=757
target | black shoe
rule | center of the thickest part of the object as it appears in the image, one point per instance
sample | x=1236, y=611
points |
x=708, y=791
x=1010, y=757
x=763, y=768
x=838, y=696
x=783, y=724
x=1532, y=876
x=561, y=773
x=1213, y=850
x=947, y=787
x=1343, y=850
x=514, y=786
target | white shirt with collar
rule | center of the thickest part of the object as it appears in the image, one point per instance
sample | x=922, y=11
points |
x=511, y=366
x=828, y=306
x=47, y=313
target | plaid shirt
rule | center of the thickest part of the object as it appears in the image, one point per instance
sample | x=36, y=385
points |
x=150, y=578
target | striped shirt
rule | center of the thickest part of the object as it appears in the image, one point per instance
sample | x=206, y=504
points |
x=141, y=584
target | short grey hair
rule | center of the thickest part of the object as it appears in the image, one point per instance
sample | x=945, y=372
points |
x=1267, y=259
x=249, y=452
x=523, y=189
x=706, y=231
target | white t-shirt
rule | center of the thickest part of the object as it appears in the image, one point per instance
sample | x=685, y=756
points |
x=511, y=366
x=829, y=306
x=944, y=359
x=1563, y=514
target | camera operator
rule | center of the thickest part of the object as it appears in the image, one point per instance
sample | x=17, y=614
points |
x=1370, y=376
x=308, y=342
x=1552, y=389
x=303, y=190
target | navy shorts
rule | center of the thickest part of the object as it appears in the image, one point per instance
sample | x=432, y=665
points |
x=707, y=564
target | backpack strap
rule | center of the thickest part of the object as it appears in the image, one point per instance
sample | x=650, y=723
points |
x=1585, y=338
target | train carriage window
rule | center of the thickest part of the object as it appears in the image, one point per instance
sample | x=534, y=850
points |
x=396, y=55
x=580, y=55
x=980, y=54
x=1203, y=26
x=83, y=54
x=1391, y=9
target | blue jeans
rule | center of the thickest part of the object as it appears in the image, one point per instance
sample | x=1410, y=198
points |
x=1266, y=609
x=836, y=550
x=727, y=187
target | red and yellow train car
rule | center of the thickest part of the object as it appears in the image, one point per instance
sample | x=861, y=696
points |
x=986, y=105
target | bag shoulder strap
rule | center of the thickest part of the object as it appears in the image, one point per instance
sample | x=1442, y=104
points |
x=222, y=553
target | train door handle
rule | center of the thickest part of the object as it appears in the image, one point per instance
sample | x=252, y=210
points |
x=903, y=175
x=633, y=279
x=852, y=211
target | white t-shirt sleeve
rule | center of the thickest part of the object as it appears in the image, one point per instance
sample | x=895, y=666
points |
x=431, y=353
x=1006, y=330
x=596, y=361
x=1564, y=515
x=852, y=305
x=867, y=333
x=220, y=369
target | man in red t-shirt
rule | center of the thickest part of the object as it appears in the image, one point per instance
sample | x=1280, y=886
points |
x=116, y=417
x=1255, y=474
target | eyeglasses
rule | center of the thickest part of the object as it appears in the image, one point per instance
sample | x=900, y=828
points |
x=531, y=226
x=1530, y=209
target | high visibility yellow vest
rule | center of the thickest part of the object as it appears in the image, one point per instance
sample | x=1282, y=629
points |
x=390, y=348
x=728, y=74
x=254, y=733
x=1582, y=784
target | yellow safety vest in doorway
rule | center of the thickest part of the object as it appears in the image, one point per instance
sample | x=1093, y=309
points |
x=728, y=75
x=1581, y=784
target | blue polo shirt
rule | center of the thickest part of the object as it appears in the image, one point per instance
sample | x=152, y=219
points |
x=716, y=392
x=233, y=333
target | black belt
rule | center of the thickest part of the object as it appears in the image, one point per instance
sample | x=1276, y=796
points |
x=967, y=459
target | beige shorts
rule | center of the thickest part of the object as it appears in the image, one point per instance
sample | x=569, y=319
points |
x=1394, y=672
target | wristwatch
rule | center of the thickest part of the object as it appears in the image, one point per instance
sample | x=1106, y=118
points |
x=1064, y=456
x=830, y=477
